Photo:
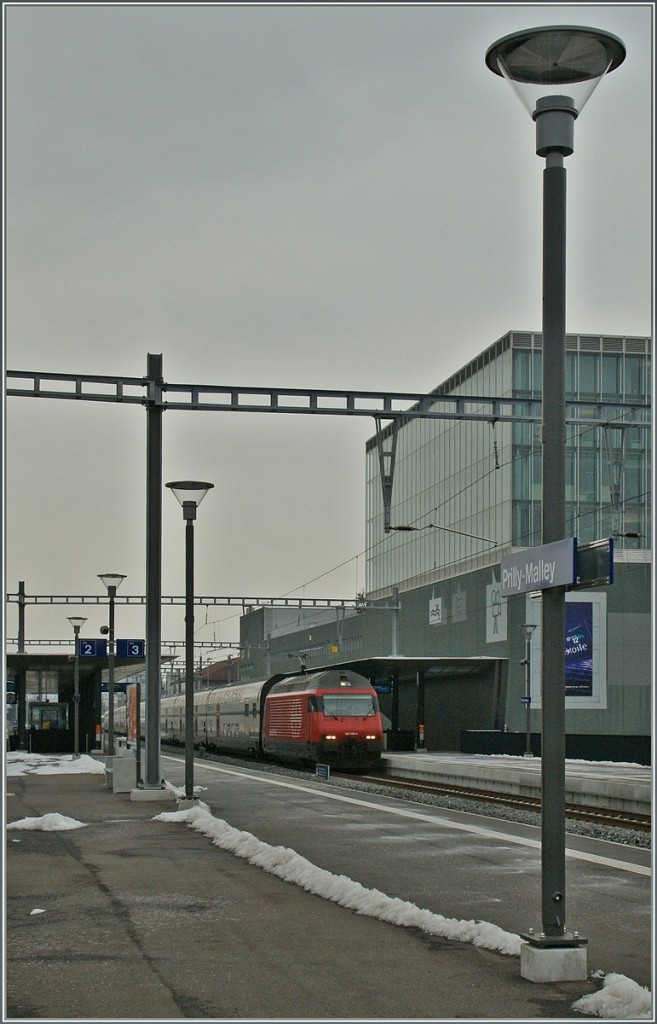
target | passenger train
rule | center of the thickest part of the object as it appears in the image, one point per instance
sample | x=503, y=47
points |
x=328, y=717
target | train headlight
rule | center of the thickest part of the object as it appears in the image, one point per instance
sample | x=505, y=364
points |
x=372, y=736
x=330, y=736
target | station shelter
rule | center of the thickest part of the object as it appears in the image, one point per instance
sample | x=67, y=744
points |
x=426, y=701
x=43, y=688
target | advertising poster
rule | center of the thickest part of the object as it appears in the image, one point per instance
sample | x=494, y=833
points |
x=133, y=710
x=579, y=649
x=585, y=649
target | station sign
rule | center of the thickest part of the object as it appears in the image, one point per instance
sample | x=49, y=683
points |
x=92, y=648
x=130, y=648
x=595, y=564
x=548, y=565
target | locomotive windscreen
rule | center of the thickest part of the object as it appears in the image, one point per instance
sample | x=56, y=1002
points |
x=352, y=705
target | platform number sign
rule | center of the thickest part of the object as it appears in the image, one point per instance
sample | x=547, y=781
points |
x=130, y=648
x=92, y=648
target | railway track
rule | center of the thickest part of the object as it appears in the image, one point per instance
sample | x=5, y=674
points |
x=593, y=815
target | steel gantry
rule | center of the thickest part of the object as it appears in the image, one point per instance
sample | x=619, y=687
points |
x=156, y=395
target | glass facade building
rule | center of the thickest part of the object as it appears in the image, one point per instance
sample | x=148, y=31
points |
x=465, y=492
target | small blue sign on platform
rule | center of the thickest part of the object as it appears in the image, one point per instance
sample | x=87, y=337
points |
x=526, y=700
x=323, y=771
x=92, y=648
x=130, y=648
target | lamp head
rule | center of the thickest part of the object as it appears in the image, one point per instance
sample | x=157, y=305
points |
x=568, y=61
x=77, y=622
x=190, y=494
x=190, y=490
x=111, y=579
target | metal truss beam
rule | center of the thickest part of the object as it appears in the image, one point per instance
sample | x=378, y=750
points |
x=314, y=401
x=242, y=602
x=212, y=645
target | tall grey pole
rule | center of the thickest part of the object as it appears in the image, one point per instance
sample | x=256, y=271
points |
x=395, y=622
x=110, y=674
x=528, y=628
x=189, y=513
x=152, y=774
x=553, y=58
x=190, y=494
x=21, y=617
x=555, y=117
x=76, y=693
x=21, y=676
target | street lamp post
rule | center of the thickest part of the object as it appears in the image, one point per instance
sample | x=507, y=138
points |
x=77, y=622
x=529, y=628
x=554, y=71
x=190, y=494
x=112, y=581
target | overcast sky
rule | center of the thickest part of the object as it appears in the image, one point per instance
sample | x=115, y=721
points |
x=304, y=195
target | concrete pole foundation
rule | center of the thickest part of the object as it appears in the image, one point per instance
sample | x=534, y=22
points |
x=545, y=964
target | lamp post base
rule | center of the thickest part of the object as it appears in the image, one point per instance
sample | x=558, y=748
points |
x=553, y=957
x=185, y=802
x=154, y=793
x=553, y=963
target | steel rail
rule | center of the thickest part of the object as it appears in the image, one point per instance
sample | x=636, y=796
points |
x=596, y=815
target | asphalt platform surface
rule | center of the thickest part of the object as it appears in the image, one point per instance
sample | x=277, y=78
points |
x=143, y=919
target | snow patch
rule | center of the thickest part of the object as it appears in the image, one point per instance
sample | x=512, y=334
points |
x=292, y=867
x=53, y=822
x=619, y=997
x=20, y=763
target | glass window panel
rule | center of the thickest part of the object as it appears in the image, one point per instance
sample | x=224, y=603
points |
x=611, y=374
x=537, y=483
x=571, y=374
x=588, y=476
x=522, y=370
x=589, y=371
x=570, y=475
x=521, y=474
x=634, y=375
x=538, y=371
x=633, y=488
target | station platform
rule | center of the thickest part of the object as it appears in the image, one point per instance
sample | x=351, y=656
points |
x=129, y=917
x=622, y=787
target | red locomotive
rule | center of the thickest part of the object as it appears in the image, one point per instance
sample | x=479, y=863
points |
x=327, y=717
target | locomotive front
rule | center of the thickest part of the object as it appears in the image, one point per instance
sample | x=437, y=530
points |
x=329, y=717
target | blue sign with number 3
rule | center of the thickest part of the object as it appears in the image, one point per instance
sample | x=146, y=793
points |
x=130, y=648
